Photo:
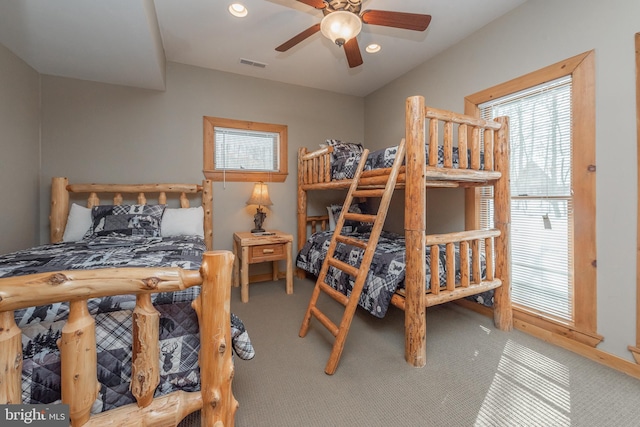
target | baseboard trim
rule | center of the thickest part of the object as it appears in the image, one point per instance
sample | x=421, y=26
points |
x=602, y=357
x=635, y=351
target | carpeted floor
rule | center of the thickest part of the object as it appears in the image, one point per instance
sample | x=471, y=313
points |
x=475, y=375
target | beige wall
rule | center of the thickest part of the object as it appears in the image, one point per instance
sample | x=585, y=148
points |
x=537, y=34
x=94, y=132
x=19, y=152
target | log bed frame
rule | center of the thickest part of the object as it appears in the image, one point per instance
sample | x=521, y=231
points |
x=481, y=138
x=77, y=344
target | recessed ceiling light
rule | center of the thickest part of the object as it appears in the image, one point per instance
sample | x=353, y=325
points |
x=373, y=48
x=236, y=9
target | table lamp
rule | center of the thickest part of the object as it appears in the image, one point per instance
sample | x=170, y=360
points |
x=260, y=197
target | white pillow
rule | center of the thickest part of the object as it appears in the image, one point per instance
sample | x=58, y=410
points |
x=182, y=222
x=78, y=223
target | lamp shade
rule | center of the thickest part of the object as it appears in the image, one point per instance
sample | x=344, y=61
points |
x=260, y=195
x=340, y=26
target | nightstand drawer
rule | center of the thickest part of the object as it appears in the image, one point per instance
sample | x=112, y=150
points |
x=266, y=253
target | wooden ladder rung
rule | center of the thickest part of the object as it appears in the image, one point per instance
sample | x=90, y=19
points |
x=325, y=321
x=338, y=296
x=352, y=241
x=350, y=216
x=349, y=269
x=375, y=192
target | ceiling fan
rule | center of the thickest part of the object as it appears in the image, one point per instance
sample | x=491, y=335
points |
x=343, y=21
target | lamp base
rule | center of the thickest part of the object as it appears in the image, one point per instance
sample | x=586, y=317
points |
x=258, y=219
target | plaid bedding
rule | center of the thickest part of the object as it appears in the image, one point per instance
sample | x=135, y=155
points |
x=386, y=273
x=179, y=340
x=345, y=162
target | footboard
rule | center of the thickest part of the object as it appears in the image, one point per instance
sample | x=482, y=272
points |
x=78, y=350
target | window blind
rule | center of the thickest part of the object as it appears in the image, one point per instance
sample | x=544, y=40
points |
x=246, y=150
x=541, y=200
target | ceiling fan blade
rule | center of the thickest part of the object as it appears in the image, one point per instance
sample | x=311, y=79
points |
x=318, y=4
x=298, y=38
x=352, y=50
x=407, y=21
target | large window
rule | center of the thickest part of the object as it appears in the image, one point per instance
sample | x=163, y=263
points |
x=236, y=150
x=541, y=201
x=552, y=142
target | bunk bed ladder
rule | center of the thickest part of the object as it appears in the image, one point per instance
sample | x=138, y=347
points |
x=359, y=273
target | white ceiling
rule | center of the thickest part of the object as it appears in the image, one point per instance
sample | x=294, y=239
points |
x=127, y=42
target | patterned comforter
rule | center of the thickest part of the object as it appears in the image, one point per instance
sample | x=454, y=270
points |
x=179, y=341
x=345, y=159
x=386, y=273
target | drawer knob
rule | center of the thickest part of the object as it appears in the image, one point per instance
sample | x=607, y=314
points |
x=267, y=251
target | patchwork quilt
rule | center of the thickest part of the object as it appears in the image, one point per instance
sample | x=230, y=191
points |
x=179, y=340
x=386, y=273
x=346, y=156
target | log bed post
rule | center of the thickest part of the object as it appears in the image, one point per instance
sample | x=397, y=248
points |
x=10, y=360
x=415, y=322
x=216, y=365
x=302, y=208
x=502, y=311
x=207, y=206
x=59, y=208
x=78, y=362
x=145, y=358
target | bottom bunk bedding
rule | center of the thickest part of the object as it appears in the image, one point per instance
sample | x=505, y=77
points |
x=179, y=340
x=386, y=273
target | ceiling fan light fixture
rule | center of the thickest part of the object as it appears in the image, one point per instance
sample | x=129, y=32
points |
x=340, y=26
x=238, y=10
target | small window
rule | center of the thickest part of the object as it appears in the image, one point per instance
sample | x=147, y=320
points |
x=237, y=150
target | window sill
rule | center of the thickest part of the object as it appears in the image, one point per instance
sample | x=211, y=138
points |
x=532, y=324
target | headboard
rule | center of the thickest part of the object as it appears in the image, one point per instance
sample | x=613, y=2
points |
x=61, y=189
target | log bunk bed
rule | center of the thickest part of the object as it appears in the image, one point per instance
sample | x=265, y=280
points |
x=208, y=278
x=459, y=257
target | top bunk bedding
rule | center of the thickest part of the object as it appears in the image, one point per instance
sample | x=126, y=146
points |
x=459, y=150
x=345, y=157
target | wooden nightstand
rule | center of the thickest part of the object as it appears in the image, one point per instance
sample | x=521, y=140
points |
x=250, y=249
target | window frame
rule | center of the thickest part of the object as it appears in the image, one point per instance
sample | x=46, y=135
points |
x=635, y=350
x=210, y=123
x=582, y=69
